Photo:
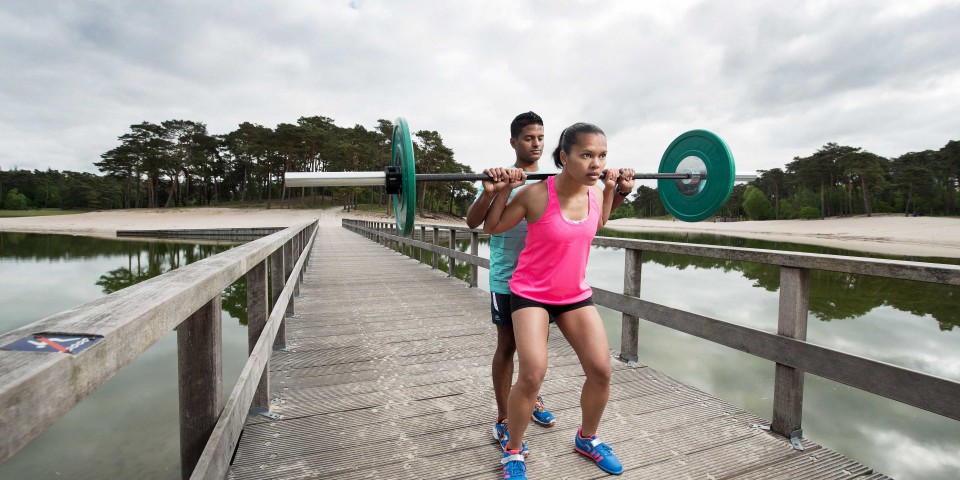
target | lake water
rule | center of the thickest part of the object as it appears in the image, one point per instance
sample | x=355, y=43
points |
x=129, y=427
x=904, y=323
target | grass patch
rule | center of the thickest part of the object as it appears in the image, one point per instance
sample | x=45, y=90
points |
x=372, y=207
x=38, y=212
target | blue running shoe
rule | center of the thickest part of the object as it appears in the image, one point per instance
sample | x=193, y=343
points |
x=541, y=415
x=514, y=467
x=598, y=451
x=502, y=435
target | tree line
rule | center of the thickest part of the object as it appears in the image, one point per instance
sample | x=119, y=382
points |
x=179, y=163
x=838, y=180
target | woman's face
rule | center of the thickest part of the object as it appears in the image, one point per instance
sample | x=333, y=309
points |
x=587, y=158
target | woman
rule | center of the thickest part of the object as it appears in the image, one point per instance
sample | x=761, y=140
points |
x=563, y=215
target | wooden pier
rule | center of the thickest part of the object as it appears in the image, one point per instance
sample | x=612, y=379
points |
x=367, y=363
x=387, y=375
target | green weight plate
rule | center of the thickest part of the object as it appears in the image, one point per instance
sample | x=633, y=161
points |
x=401, y=153
x=696, y=151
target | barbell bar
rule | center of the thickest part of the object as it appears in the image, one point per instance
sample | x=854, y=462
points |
x=378, y=179
x=695, y=177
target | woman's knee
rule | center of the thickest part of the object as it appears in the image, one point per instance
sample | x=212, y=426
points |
x=531, y=376
x=598, y=372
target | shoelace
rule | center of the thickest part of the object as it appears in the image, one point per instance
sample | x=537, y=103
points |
x=514, y=468
x=602, y=449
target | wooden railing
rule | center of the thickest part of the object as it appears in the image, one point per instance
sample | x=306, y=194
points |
x=788, y=348
x=36, y=389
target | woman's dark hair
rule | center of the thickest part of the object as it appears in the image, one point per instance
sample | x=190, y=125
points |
x=522, y=120
x=570, y=136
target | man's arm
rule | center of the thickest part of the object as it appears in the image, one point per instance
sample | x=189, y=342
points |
x=478, y=210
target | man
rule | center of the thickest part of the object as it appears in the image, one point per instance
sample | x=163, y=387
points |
x=526, y=139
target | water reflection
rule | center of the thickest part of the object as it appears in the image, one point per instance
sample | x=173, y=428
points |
x=833, y=295
x=129, y=427
x=160, y=258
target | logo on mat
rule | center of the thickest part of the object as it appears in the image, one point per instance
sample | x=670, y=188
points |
x=54, y=342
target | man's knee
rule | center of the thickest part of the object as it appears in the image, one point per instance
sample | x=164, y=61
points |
x=506, y=342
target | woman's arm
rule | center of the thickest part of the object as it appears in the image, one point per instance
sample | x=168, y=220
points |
x=502, y=216
x=478, y=210
x=606, y=202
x=622, y=178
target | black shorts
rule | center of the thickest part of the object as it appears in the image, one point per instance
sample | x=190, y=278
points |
x=500, y=309
x=517, y=302
x=501, y=306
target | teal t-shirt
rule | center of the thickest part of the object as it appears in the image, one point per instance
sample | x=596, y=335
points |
x=505, y=250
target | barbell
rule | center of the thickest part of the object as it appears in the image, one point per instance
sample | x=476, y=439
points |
x=695, y=177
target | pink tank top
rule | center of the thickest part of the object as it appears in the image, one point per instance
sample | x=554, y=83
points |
x=552, y=268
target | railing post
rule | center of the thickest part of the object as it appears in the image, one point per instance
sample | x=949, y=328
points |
x=436, y=241
x=257, y=315
x=276, y=286
x=288, y=262
x=791, y=323
x=453, y=246
x=296, y=258
x=200, y=379
x=474, y=250
x=423, y=238
x=630, y=325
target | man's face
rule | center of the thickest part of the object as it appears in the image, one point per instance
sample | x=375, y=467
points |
x=529, y=144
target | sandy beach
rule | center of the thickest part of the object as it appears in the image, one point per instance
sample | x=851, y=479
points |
x=887, y=234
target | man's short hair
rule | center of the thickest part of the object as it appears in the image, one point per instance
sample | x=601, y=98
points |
x=521, y=121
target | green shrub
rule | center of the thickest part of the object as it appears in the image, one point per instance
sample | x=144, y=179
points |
x=757, y=205
x=809, y=213
x=15, y=200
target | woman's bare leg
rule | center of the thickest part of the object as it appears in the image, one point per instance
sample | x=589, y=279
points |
x=584, y=330
x=530, y=326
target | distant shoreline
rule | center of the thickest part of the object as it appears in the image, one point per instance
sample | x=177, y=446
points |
x=885, y=234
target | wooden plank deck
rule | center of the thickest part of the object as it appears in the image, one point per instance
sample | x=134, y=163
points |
x=389, y=377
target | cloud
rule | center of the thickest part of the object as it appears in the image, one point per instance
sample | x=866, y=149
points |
x=776, y=80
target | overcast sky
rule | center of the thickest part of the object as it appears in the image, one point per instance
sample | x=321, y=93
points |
x=774, y=79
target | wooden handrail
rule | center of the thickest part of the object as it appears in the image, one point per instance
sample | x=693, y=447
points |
x=788, y=348
x=36, y=389
x=214, y=462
